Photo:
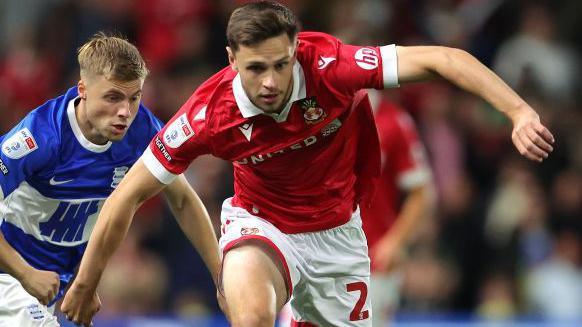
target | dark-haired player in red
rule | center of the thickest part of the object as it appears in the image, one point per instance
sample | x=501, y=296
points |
x=290, y=115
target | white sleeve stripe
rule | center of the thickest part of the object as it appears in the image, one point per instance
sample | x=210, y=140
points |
x=414, y=178
x=389, y=65
x=1, y=194
x=156, y=168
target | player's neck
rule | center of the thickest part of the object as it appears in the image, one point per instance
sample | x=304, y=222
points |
x=85, y=125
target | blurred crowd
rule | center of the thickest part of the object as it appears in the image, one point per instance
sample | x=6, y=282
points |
x=506, y=236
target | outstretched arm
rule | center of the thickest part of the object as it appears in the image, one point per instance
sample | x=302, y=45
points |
x=530, y=137
x=417, y=204
x=194, y=221
x=80, y=302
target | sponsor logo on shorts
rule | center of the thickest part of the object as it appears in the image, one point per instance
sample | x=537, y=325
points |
x=178, y=132
x=162, y=149
x=366, y=58
x=35, y=311
x=19, y=145
x=3, y=167
x=249, y=231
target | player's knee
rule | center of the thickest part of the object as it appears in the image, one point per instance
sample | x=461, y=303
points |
x=253, y=318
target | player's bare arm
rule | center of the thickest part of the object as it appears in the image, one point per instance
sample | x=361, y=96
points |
x=114, y=221
x=530, y=137
x=417, y=203
x=80, y=302
x=194, y=221
x=41, y=284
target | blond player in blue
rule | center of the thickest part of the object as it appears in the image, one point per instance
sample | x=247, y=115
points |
x=60, y=163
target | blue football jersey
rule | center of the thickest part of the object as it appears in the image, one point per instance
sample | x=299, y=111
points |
x=53, y=182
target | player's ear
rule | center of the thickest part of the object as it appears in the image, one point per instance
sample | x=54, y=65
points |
x=231, y=58
x=82, y=89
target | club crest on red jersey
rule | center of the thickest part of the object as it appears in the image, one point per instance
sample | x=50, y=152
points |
x=249, y=231
x=312, y=112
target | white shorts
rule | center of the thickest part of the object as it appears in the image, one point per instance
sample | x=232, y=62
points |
x=385, y=294
x=327, y=272
x=18, y=308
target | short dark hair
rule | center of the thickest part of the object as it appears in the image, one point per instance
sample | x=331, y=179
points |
x=257, y=21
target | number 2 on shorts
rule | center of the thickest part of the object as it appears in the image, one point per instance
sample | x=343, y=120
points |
x=357, y=313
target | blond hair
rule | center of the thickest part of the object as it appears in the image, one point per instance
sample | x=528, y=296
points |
x=112, y=57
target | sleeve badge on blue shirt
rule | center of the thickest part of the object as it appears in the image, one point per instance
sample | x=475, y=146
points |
x=19, y=144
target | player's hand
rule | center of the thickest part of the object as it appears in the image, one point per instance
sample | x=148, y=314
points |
x=532, y=139
x=386, y=254
x=80, y=305
x=42, y=284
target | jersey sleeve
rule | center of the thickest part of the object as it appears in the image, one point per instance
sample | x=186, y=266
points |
x=178, y=143
x=349, y=68
x=26, y=149
x=407, y=155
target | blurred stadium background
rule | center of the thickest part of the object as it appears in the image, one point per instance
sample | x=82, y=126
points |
x=504, y=246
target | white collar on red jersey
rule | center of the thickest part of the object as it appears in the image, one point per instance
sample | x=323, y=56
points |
x=248, y=109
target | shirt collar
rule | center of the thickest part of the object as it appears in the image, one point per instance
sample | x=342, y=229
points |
x=248, y=109
x=79, y=134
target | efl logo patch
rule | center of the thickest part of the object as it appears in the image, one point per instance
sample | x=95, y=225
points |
x=249, y=231
x=3, y=167
x=312, y=112
x=19, y=145
x=366, y=58
x=178, y=132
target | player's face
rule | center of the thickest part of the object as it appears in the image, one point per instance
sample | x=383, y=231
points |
x=266, y=71
x=107, y=108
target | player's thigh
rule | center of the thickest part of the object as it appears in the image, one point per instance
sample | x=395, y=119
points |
x=338, y=301
x=253, y=247
x=335, y=291
x=18, y=308
x=253, y=276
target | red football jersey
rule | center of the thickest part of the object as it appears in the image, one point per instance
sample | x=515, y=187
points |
x=404, y=167
x=304, y=168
